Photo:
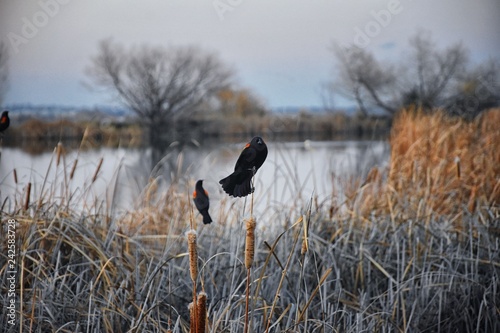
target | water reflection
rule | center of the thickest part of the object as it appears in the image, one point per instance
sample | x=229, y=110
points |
x=292, y=171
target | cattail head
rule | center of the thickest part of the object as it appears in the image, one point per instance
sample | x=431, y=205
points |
x=192, y=317
x=97, y=170
x=201, y=316
x=73, y=169
x=59, y=152
x=193, y=254
x=250, y=242
x=457, y=163
x=27, y=199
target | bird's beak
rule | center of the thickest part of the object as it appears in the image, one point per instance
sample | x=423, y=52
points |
x=259, y=141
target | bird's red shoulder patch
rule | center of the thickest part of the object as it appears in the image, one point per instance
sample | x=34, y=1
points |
x=194, y=194
x=4, y=120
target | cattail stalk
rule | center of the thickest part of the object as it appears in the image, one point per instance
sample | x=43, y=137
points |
x=15, y=176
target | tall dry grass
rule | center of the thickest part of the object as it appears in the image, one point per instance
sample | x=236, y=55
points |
x=449, y=163
x=438, y=165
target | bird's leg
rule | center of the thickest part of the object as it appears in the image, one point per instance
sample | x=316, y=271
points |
x=253, y=175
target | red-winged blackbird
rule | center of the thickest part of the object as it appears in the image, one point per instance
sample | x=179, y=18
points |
x=200, y=198
x=4, y=121
x=238, y=184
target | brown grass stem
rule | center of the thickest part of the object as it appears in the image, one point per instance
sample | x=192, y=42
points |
x=313, y=294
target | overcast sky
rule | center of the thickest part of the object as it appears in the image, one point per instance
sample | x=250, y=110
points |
x=279, y=49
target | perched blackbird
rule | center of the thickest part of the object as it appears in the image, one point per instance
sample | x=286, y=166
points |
x=200, y=198
x=238, y=184
x=4, y=121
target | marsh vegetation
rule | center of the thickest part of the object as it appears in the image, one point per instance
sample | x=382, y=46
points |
x=411, y=247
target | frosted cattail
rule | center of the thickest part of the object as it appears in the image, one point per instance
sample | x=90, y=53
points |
x=250, y=242
x=193, y=254
x=201, y=309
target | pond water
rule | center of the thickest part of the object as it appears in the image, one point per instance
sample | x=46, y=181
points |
x=292, y=171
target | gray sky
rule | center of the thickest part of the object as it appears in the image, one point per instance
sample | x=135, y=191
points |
x=279, y=49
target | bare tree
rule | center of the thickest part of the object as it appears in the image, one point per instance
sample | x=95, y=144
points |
x=365, y=80
x=4, y=71
x=159, y=85
x=432, y=73
x=430, y=78
x=478, y=89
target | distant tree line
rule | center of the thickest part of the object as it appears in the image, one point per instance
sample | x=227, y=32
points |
x=427, y=77
x=175, y=89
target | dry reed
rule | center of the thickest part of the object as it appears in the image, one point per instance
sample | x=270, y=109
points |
x=438, y=164
x=446, y=161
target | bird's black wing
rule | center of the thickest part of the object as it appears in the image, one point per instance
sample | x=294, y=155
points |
x=246, y=158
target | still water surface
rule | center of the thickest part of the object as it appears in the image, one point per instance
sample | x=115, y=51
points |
x=292, y=171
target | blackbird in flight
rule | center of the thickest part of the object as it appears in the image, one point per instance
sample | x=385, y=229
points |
x=200, y=198
x=238, y=184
